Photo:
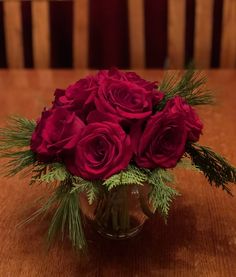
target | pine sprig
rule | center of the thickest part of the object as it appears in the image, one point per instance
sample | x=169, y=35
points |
x=131, y=176
x=161, y=195
x=216, y=168
x=191, y=86
x=17, y=133
x=67, y=216
x=17, y=161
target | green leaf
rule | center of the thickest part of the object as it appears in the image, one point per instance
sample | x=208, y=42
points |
x=131, y=176
x=161, y=195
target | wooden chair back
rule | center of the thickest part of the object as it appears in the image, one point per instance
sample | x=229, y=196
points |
x=41, y=35
x=176, y=33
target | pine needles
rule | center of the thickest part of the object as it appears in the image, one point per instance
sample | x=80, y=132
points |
x=17, y=161
x=191, y=86
x=17, y=133
x=67, y=217
x=215, y=167
x=14, y=139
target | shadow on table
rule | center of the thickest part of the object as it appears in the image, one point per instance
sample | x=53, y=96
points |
x=158, y=247
x=155, y=247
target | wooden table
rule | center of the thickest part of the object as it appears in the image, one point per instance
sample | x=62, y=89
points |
x=200, y=238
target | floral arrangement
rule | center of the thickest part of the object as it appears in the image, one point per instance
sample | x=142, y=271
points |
x=108, y=132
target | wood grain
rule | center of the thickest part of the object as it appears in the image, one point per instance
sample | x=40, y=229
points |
x=13, y=34
x=136, y=33
x=228, y=46
x=80, y=34
x=40, y=33
x=203, y=33
x=199, y=239
x=176, y=33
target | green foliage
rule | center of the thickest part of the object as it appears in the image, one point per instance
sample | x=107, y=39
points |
x=14, y=138
x=17, y=133
x=161, y=195
x=67, y=216
x=131, y=176
x=55, y=172
x=190, y=86
x=187, y=163
x=37, y=172
x=216, y=168
x=90, y=188
x=17, y=161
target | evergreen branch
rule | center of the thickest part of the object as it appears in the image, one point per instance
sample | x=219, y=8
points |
x=191, y=86
x=67, y=217
x=131, y=176
x=17, y=133
x=187, y=163
x=91, y=188
x=38, y=172
x=216, y=168
x=55, y=172
x=161, y=195
x=17, y=161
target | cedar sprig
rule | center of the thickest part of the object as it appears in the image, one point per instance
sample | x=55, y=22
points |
x=216, y=168
x=190, y=86
x=161, y=195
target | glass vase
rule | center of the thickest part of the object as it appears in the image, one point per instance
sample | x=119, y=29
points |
x=119, y=213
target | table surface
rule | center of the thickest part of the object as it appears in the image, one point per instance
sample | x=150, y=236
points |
x=199, y=239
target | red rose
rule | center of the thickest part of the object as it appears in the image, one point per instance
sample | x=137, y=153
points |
x=123, y=97
x=123, y=100
x=103, y=149
x=78, y=97
x=193, y=123
x=126, y=76
x=111, y=95
x=56, y=132
x=163, y=141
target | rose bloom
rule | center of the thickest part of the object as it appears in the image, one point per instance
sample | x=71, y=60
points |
x=103, y=149
x=193, y=123
x=78, y=97
x=126, y=76
x=163, y=141
x=164, y=138
x=56, y=132
x=123, y=101
x=111, y=95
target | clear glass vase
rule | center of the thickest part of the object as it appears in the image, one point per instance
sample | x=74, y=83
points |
x=119, y=213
